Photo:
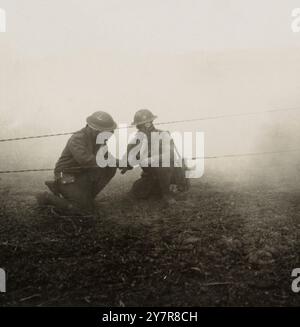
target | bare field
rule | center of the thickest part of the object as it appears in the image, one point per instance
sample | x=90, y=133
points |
x=225, y=245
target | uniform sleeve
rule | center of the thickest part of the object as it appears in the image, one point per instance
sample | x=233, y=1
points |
x=81, y=153
x=165, y=147
x=132, y=144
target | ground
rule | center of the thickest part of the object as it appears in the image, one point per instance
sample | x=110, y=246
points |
x=224, y=245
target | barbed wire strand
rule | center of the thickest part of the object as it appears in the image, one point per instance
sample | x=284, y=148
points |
x=229, y=116
x=162, y=123
x=235, y=155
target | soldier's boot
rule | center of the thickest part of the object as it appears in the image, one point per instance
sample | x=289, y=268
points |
x=53, y=187
x=63, y=206
x=46, y=198
x=163, y=176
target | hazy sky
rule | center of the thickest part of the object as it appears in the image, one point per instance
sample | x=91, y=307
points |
x=43, y=26
x=60, y=60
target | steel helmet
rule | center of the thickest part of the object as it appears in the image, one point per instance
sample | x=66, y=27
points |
x=143, y=116
x=101, y=121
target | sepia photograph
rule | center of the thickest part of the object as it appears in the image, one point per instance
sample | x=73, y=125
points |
x=149, y=155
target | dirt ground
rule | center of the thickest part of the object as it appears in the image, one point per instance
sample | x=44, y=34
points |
x=224, y=245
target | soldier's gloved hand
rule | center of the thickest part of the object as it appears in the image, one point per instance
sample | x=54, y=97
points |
x=125, y=169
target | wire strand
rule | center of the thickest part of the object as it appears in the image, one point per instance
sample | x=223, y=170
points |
x=162, y=123
x=234, y=155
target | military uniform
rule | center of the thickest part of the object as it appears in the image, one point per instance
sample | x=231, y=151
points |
x=77, y=175
x=78, y=178
x=156, y=181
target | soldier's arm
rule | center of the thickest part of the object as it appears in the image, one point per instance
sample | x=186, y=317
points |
x=80, y=152
x=164, y=151
x=133, y=143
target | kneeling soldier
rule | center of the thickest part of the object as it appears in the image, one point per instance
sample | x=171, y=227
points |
x=157, y=178
x=78, y=178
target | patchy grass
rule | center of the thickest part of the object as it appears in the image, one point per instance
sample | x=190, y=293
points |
x=223, y=246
